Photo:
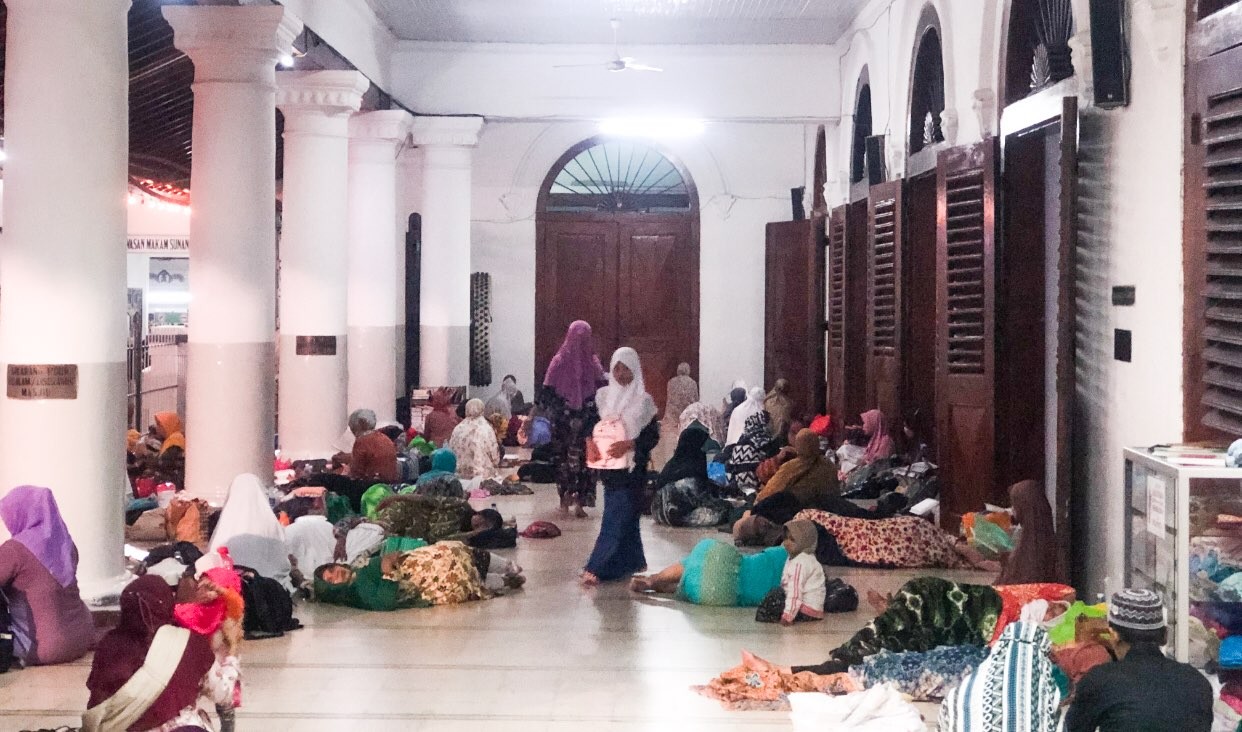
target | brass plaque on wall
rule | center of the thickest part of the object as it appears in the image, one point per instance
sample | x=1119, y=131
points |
x=316, y=346
x=43, y=381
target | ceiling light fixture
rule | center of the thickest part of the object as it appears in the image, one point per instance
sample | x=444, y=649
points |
x=286, y=61
x=652, y=127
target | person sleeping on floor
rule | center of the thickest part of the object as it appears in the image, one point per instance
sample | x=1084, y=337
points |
x=445, y=573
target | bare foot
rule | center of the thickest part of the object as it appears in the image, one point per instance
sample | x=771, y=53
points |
x=589, y=580
x=579, y=511
x=639, y=583
x=988, y=565
x=877, y=601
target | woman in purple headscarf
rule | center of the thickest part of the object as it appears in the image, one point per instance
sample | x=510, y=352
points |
x=38, y=579
x=567, y=398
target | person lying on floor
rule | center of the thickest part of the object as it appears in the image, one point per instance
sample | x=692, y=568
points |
x=445, y=573
x=488, y=531
x=310, y=538
x=431, y=518
x=38, y=580
x=716, y=573
x=1143, y=689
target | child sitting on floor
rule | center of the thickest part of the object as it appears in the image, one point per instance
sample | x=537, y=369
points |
x=803, y=587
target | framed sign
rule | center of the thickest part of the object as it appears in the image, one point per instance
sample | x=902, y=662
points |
x=42, y=381
x=316, y=346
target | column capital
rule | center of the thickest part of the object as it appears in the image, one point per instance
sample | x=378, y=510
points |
x=238, y=44
x=385, y=125
x=447, y=131
x=331, y=93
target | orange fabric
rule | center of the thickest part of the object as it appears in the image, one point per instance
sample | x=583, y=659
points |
x=168, y=423
x=1014, y=597
x=176, y=439
x=767, y=683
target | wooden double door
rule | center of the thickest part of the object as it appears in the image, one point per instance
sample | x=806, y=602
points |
x=634, y=277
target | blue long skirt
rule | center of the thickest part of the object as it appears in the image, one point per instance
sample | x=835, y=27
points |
x=619, y=548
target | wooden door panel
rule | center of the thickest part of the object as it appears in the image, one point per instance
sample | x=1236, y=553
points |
x=884, y=298
x=965, y=315
x=856, y=267
x=918, y=362
x=837, y=223
x=657, y=298
x=1066, y=369
x=576, y=280
x=794, y=320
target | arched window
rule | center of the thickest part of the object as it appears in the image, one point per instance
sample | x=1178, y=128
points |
x=1037, y=50
x=618, y=175
x=927, y=93
x=862, y=130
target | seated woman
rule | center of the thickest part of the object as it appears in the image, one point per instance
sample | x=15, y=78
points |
x=38, y=581
x=1018, y=668
x=741, y=412
x=442, y=480
x=685, y=496
x=718, y=574
x=170, y=462
x=475, y=445
x=444, y=573
x=707, y=416
x=880, y=443
x=752, y=448
x=148, y=674
x=248, y=527
x=809, y=477
x=442, y=419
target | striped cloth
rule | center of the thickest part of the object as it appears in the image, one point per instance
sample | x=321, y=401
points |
x=1011, y=691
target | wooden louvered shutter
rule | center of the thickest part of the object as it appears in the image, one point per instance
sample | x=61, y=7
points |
x=836, y=311
x=884, y=303
x=965, y=323
x=794, y=311
x=1214, y=220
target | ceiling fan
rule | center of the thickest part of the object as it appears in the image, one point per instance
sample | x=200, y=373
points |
x=618, y=62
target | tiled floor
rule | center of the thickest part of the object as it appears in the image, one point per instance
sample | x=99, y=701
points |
x=553, y=657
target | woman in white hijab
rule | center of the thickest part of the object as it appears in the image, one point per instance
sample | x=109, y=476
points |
x=248, y=527
x=747, y=409
x=474, y=443
x=620, y=448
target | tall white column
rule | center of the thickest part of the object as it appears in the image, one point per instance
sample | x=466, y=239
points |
x=230, y=407
x=375, y=254
x=313, y=262
x=62, y=321
x=448, y=145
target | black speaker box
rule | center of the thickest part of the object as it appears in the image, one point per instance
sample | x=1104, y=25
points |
x=876, y=173
x=1110, y=53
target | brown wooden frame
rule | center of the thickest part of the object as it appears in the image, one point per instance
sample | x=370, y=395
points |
x=884, y=375
x=545, y=278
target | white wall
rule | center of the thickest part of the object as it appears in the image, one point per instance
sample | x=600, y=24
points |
x=743, y=172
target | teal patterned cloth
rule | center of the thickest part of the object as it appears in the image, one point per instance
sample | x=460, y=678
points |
x=718, y=574
x=1013, y=690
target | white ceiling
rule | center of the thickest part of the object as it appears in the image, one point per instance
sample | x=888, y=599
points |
x=643, y=21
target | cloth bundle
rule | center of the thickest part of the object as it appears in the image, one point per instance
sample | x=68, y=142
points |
x=922, y=676
x=879, y=709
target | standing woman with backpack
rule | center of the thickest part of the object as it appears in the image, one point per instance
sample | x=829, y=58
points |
x=620, y=447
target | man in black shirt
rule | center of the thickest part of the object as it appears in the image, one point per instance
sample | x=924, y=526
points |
x=1143, y=691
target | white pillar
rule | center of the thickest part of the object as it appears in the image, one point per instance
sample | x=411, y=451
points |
x=313, y=262
x=63, y=262
x=375, y=254
x=230, y=420
x=447, y=144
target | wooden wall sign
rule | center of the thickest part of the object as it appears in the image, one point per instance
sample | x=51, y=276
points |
x=43, y=381
x=316, y=346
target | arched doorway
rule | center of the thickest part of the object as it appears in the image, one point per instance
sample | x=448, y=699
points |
x=618, y=246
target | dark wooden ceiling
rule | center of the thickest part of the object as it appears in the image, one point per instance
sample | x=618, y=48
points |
x=161, y=103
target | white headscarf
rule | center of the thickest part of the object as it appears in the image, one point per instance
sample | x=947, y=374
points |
x=752, y=406
x=631, y=403
x=249, y=529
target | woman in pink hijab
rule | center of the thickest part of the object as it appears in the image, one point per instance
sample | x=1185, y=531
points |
x=880, y=444
x=567, y=399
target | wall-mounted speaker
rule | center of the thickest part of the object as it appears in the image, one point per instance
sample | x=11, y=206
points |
x=1110, y=53
x=796, y=196
x=876, y=172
